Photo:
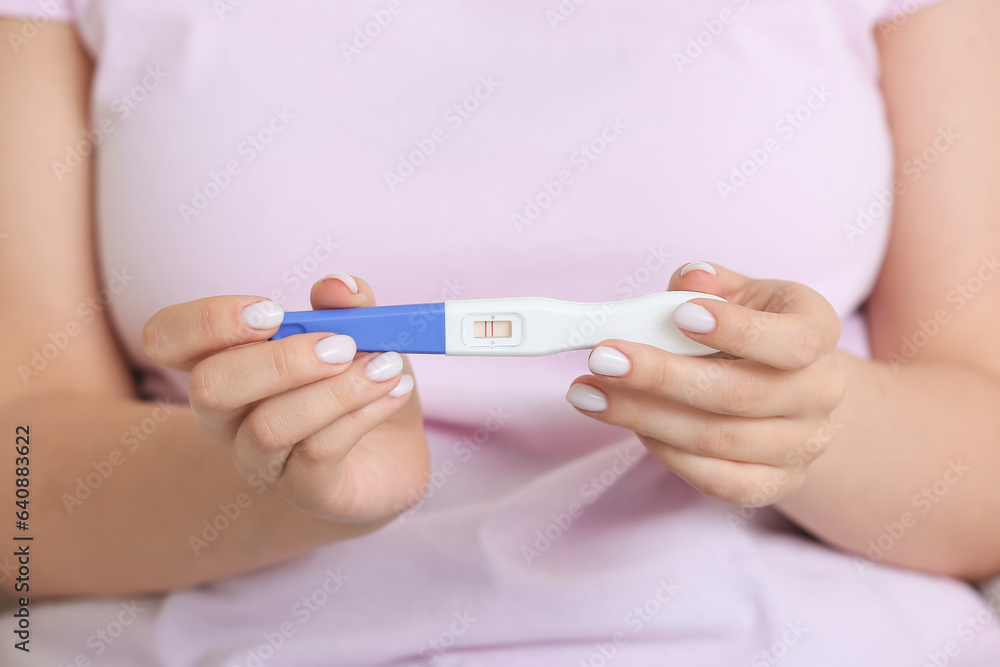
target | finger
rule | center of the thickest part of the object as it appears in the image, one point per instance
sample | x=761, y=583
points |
x=223, y=386
x=276, y=426
x=740, y=387
x=368, y=481
x=698, y=277
x=181, y=335
x=339, y=290
x=763, y=440
x=747, y=484
x=792, y=328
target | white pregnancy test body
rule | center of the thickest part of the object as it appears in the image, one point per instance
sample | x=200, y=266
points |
x=540, y=326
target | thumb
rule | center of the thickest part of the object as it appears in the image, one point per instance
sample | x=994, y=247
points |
x=699, y=277
x=339, y=290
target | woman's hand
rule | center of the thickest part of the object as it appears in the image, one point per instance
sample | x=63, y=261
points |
x=742, y=430
x=294, y=412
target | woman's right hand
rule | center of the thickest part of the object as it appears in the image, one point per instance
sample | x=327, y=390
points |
x=338, y=434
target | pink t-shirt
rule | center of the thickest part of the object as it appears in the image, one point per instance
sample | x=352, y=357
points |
x=456, y=149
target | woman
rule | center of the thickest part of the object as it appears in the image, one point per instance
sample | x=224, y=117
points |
x=836, y=476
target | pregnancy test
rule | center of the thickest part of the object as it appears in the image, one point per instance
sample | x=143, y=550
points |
x=506, y=327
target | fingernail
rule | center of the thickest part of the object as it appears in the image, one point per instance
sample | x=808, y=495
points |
x=262, y=315
x=692, y=317
x=336, y=349
x=384, y=366
x=404, y=387
x=587, y=398
x=699, y=266
x=609, y=361
x=351, y=283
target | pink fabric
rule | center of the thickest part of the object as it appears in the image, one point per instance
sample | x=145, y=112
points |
x=246, y=152
x=38, y=12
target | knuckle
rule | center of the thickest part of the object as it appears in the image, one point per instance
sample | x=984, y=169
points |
x=286, y=361
x=716, y=439
x=204, y=391
x=214, y=325
x=344, y=394
x=153, y=343
x=659, y=376
x=312, y=450
x=809, y=347
x=740, y=395
x=262, y=430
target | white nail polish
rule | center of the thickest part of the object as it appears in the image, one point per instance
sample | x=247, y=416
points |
x=383, y=367
x=336, y=349
x=351, y=283
x=587, y=398
x=692, y=317
x=404, y=387
x=609, y=361
x=262, y=315
x=699, y=266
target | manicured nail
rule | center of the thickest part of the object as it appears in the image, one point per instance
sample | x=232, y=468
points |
x=351, y=283
x=384, y=366
x=609, y=361
x=336, y=349
x=692, y=317
x=699, y=266
x=587, y=398
x=404, y=387
x=262, y=315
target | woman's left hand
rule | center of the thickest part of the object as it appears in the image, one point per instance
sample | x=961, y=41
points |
x=742, y=430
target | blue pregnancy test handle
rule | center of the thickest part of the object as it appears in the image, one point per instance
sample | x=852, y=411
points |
x=414, y=328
